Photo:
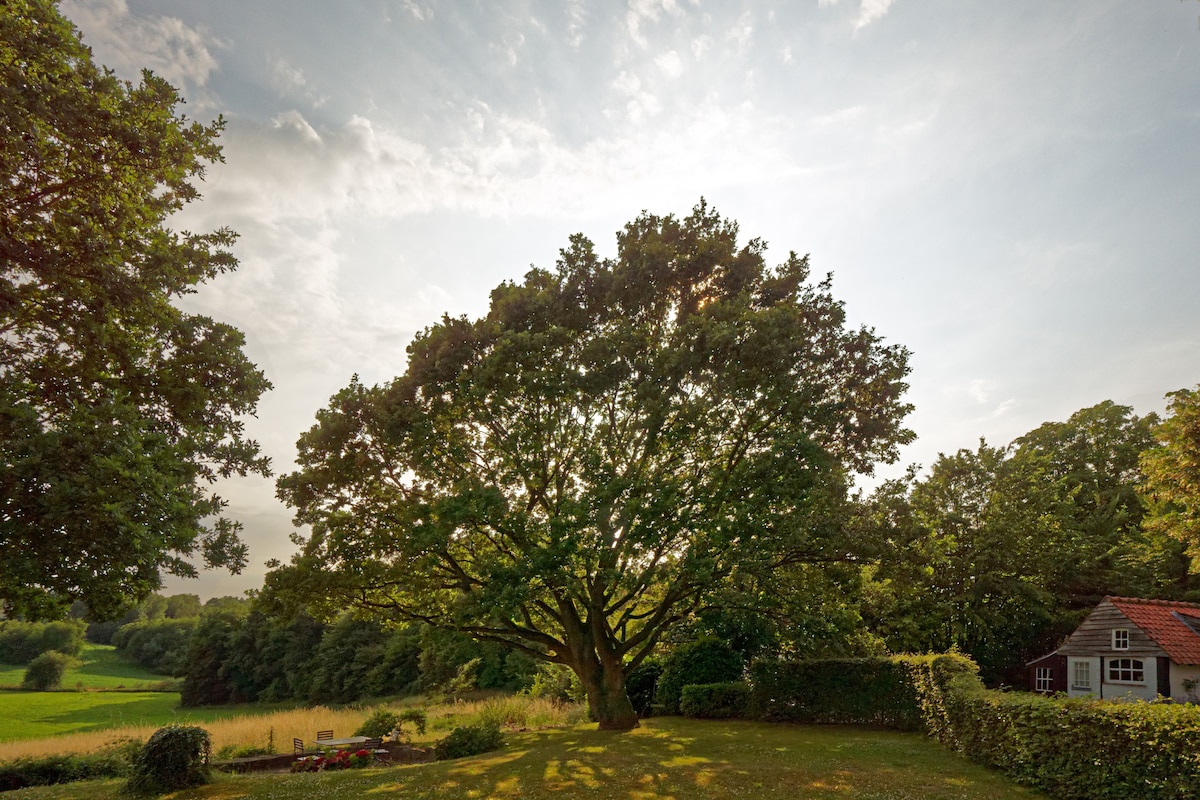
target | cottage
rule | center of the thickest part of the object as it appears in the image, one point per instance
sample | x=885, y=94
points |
x=1127, y=648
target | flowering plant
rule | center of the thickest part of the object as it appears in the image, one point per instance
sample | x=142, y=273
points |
x=336, y=759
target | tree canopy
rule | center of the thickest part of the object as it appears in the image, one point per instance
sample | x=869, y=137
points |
x=1172, y=470
x=118, y=411
x=578, y=470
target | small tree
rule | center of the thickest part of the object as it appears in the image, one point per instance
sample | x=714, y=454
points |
x=175, y=757
x=45, y=673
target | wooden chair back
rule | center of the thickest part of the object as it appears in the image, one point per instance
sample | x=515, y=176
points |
x=298, y=746
x=324, y=735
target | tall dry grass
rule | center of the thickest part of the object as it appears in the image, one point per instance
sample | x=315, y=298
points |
x=282, y=726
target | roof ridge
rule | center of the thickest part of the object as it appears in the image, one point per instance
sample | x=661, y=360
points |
x=1153, y=602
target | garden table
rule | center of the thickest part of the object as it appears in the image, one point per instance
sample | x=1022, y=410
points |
x=349, y=741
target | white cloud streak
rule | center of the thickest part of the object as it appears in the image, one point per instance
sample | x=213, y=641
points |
x=127, y=44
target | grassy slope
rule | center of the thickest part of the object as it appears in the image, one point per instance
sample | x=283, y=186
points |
x=101, y=668
x=665, y=758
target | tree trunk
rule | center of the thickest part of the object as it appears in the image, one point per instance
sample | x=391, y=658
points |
x=607, y=699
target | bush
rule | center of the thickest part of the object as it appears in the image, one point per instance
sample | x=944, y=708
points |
x=715, y=700
x=175, y=757
x=705, y=660
x=45, y=673
x=641, y=684
x=380, y=724
x=469, y=740
x=112, y=761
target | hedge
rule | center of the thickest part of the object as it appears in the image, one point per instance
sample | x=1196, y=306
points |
x=715, y=700
x=1072, y=749
x=112, y=761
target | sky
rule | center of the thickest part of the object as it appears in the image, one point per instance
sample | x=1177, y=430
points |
x=1009, y=189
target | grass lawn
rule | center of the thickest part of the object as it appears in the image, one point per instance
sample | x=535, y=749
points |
x=665, y=758
x=101, y=668
x=39, y=715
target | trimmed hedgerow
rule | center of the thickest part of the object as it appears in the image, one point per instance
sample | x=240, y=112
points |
x=1072, y=749
x=715, y=700
x=110, y=762
x=889, y=692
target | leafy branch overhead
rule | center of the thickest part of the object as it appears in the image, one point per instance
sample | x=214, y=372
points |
x=578, y=470
x=117, y=409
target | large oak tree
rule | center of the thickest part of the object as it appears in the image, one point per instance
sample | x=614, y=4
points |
x=118, y=411
x=577, y=471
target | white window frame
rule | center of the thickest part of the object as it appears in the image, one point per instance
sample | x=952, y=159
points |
x=1120, y=639
x=1127, y=670
x=1081, y=675
x=1043, y=680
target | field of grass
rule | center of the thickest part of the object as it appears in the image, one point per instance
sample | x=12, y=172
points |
x=240, y=725
x=665, y=758
x=101, y=668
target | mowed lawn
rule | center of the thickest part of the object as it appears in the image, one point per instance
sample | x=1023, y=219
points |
x=665, y=758
x=100, y=668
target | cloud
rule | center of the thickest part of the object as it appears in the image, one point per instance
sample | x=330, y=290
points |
x=742, y=30
x=642, y=10
x=670, y=63
x=164, y=44
x=419, y=13
x=868, y=10
x=576, y=19
x=292, y=82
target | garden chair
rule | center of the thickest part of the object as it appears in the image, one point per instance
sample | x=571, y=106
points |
x=324, y=735
x=382, y=755
x=298, y=746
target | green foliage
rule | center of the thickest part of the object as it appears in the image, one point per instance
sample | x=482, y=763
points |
x=641, y=684
x=21, y=642
x=1081, y=749
x=694, y=663
x=715, y=700
x=118, y=410
x=1001, y=551
x=1172, y=470
x=556, y=682
x=862, y=691
x=469, y=740
x=589, y=463
x=175, y=757
x=160, y=645
x=416, y=717
x=111, y=761
x=45, y=673
x=381, y=723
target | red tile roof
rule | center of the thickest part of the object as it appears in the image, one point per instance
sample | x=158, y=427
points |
x=1161, y=620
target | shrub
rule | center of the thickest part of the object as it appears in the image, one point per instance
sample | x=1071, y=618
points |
x=380, y=724
x=175, y=757
x=338, y=759
x=640, y=685
x=705, y=660
x=45, y=673
x=111, y=761
x=469, y=740
x=715, y=700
